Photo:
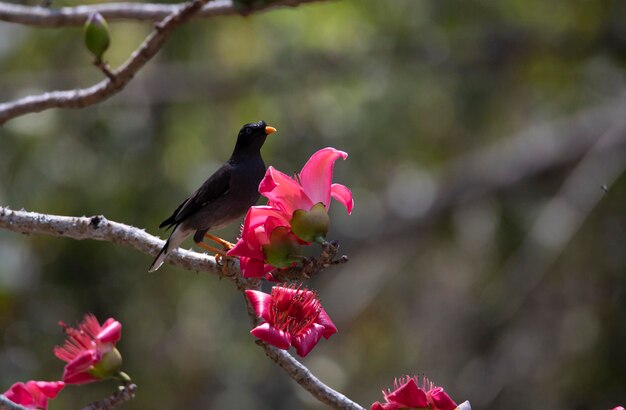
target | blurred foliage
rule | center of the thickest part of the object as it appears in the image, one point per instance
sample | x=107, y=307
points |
x=403, y=86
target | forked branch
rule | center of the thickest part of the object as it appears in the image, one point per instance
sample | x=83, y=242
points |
x=100, y=229
x=79, y=98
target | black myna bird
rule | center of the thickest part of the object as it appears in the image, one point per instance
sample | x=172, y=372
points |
x=224, y=197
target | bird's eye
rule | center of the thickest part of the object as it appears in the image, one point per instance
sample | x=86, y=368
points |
x=248, y=131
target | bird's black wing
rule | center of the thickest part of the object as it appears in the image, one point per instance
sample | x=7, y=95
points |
x=214, y=187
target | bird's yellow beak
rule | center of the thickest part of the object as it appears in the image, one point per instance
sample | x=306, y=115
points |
x=269, y=130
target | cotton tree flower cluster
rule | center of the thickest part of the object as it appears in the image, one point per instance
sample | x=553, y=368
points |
x=293, y=317
x=91, y=356
x=296, y=215
x=89, y=351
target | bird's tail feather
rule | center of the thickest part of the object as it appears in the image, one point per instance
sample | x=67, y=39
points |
x=177, y=237
x=160, y=258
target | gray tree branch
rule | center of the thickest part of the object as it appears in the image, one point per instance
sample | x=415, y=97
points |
x=306, y=379
x=76, y=16
x=100, y=229
x=79, y=98
x=124, y=394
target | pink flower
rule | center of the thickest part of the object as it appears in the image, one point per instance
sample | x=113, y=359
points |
x=298, y=207
x=311, y=186
x=90, y=351
x=34, y=394
x=618, y=408
x=293, y=316
x=258, y=226
x=407, y=394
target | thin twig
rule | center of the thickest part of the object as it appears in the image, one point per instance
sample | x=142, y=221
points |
x=76, y=16
x=311, y=266
x=79, y=98
x=106, y=69
x=124, y=394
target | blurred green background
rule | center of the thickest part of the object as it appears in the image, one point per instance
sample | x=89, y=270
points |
x=484, y=250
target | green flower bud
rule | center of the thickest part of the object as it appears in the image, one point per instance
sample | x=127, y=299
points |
x=283, y=249
x=108, y=366
x=311, y=226
x=97, y=35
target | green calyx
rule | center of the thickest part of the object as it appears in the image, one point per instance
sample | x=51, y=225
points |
x=283, y=249
x=97, y=38
x=312, y=225
x=109, y=366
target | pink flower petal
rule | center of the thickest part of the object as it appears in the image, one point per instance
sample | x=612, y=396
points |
x=20, y=395
x=79, y=378
x=42, y=391
x=439, y=399
x=260, y=303
x=49, y=389
x=253, y=234
x=111, y=333
x=343, y=195
x=243, y=249
x=284, y=192
x=254, y=268
x=390, y=406
x=75, y=372
x=259, y=214
x=317, y=175
x=409, y=395
x=272, y=336
x=324, y=320
x=306, y=341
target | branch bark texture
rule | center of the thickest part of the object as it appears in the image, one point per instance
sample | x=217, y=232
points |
x=306, y=379
x=76, y=16
x=100, y=229
x=122, y=395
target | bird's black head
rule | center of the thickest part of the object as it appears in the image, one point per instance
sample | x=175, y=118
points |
x=251, y=138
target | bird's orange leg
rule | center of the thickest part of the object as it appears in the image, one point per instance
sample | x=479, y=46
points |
x=211, y=248
x=220, y=256
x=227, y=245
